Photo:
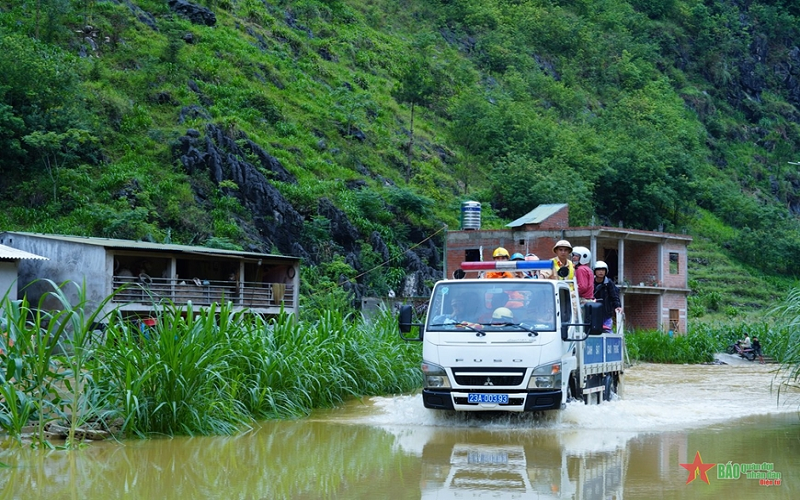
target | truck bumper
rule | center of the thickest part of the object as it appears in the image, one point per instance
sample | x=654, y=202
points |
x=517, y=401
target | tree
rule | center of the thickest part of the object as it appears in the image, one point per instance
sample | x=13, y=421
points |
x=11, y=127
x=416, y=87
x=55, y=150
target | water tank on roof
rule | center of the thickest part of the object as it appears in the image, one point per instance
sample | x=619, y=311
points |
x=470, y=215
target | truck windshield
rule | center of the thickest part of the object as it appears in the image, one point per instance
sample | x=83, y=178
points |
x=492, y=303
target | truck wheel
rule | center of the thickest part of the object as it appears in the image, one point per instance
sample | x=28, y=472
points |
x=572, y=390
x=608, y=384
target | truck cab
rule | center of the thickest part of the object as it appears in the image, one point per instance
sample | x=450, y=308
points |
x=512, y=345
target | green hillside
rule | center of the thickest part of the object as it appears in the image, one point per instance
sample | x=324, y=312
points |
x=348, y=132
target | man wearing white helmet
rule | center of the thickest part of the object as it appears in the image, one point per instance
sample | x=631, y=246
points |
x=581, y=257
x=606, y=291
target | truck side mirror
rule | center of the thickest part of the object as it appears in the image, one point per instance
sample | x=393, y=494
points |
x=593, y=317
x=405, y=324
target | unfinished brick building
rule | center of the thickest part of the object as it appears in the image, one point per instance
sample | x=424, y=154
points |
x=649, y=267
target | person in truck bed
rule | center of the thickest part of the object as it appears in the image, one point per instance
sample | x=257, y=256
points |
x=499, y=253
x=561, y=262
x=606, y=291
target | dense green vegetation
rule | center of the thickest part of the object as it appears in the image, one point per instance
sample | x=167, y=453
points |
x=680, y=115
x=202, y=372
x=705, y=339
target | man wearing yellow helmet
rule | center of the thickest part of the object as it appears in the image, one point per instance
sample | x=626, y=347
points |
x=499, y=254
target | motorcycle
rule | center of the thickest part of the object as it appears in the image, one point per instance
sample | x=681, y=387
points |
x=746, y=353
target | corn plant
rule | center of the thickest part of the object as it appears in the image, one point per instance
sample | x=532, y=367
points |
x=30, y=372
x=76, y=325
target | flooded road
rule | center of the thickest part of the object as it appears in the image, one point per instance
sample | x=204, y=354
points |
x=392, y=447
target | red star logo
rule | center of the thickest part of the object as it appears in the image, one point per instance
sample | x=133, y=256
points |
x=697, y=468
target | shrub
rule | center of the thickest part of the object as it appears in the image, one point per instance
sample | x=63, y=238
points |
x=658, y=347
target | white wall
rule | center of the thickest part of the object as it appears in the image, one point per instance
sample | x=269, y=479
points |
x=8, y=279
x=68, y=262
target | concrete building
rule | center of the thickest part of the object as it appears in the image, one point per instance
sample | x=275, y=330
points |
x=144, y=276
x=649, y=267
x=9, y=269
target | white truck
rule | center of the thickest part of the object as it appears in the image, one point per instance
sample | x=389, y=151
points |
x=515, y=345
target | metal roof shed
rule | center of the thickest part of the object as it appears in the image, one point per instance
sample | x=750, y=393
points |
x=143, y=276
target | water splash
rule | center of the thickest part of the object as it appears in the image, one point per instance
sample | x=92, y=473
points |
x=655, y=398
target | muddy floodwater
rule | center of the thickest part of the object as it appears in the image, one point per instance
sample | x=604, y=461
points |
x=391, y=447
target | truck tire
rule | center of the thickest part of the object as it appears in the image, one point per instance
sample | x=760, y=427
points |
x=608, y=387
x=572, y=390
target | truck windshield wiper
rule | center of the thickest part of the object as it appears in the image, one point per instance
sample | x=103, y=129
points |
x=464, y=324
x=529, y=328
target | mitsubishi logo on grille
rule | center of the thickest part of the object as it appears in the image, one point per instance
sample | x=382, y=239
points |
x=488, y=381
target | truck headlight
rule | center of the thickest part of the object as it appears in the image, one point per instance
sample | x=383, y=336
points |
x=546, y=377
x=435, y=376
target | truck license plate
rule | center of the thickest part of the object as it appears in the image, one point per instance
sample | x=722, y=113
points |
x=488, y=398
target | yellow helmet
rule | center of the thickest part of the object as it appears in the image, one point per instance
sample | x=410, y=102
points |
x=500, y=252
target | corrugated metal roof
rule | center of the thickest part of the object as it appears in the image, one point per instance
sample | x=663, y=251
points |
x=146, y=245
x=13, y=253
x=537, y=215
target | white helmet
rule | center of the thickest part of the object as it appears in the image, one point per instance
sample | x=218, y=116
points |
x=562, y=243
x=600, y=265
x=502, y=313
x=584, y=253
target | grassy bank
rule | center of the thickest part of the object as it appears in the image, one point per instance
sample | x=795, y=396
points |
x=196, y=372
x=703, y=340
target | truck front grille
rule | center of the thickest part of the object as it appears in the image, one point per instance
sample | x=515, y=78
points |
x=488, y=377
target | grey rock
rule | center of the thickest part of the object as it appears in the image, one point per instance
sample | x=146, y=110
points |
x=194, y=13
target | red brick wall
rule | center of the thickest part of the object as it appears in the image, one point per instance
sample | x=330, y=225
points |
x=674, y=301
x=675, y=280
x=641, y=311
x=559, y=220
x=641, y=263
x=461, y=241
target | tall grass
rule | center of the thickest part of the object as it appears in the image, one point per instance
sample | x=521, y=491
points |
x=196, y=372
x=703, y=340
x=657, y=347
x=788, y=313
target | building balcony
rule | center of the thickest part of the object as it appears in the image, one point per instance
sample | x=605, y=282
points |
x=643, y=288
x=143, y=293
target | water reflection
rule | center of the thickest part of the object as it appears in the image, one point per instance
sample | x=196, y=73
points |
x=539, y=467
x=394, y=448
